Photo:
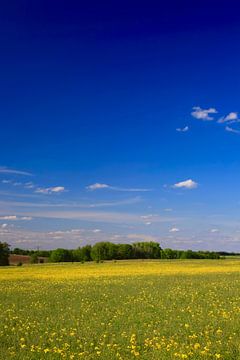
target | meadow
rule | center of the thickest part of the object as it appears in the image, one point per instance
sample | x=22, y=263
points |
x=182, y=309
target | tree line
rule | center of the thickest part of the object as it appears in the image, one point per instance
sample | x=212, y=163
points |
x=141, y=250
x=107, y=251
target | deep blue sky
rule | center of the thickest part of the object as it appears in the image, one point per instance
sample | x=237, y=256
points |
x=92, y=93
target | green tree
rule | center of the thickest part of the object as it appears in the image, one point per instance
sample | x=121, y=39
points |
x=124, y=251
x=82, y=254
x=104, y=251
x=86, y=253
x=34, y=258
x=146, y=250
x=61, y=255
x=4, y=254
x=169, y=254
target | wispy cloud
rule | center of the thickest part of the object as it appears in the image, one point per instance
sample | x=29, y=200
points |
x=142, y=237
x=4, y=181
x=173, y=230
x=184, y=129
x=50, y=239
x=230, y=118
x=50, y=190
x=15, y=217
x=99, y=186
x=6, y=170
x=146, y=217
x=214, y=231
x=130, y=189
x=69, y=205
x=130, y=201
x=203, y=114
x=187, y=184
x=29, y=185
x=8, y=217
x=230, y=129
x=50, y=211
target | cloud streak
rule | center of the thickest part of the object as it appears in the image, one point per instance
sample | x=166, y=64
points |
x=174, y=230
x=15, y=217
x=99, y=186
x=183, y=130
x=70, y=205
x=6, y=170
x=230, y=129
x=50, y=190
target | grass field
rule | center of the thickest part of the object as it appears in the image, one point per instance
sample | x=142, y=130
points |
x=123, y=310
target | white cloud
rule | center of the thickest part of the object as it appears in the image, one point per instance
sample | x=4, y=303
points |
x=98, y=186
x=6, y=181
x=14, y=217
x=231, y=117
x=50, y=190
x=5, y=170
x=142, y=237
x=57, y=189
x=185, y=129
x=230, y=129
x=145, y=217
x=8, y=217
x=214, y=230
x=42, y=190
x=148, y=223
x=174, y=229
x=96, y=231
x=29, y=185
x=187, y=184
x=3, y=226
x=203, y=114
x=130, y=189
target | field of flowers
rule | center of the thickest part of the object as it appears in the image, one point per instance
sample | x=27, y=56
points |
x=121, y=310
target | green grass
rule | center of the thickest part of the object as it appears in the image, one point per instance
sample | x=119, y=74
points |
x=89, y=311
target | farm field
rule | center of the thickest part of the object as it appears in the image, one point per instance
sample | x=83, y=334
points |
x=186, y=309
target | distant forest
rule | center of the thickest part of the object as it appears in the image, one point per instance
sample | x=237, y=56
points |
x=109, y=251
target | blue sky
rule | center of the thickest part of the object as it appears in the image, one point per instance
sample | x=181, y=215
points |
x=120, y=122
